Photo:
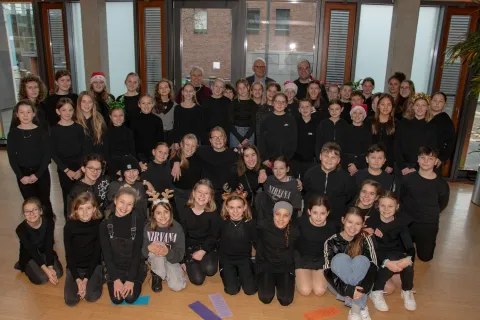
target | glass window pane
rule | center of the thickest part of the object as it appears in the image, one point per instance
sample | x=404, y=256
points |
x=424, y=47
x=57, y=40
x=373, y=43
x=200, y=20
x=121, y=44
x=78, y=47
x=153, y=46
x=285, y=48
x=216, y=62
x=253, y=21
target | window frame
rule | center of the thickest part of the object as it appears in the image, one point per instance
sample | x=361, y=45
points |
x=253, y=30
x=200, y=31
x=285, y=22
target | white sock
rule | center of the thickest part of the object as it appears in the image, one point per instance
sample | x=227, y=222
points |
x=356, y=308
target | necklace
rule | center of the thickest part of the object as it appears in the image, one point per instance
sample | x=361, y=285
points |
x=199, y=88
x=236, y=224
x=28, y=135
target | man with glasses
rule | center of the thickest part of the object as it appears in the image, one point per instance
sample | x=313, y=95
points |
x=304, y=78
x=259, y=69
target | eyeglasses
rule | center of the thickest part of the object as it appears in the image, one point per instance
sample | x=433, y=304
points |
x=303, y=69
x=280, y=102
x=260, y=67
x=29, y=212
x=92, y=169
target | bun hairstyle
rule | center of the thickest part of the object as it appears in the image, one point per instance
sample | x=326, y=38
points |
x=400, y=76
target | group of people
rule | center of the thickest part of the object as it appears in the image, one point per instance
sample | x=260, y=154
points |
x=330, y=187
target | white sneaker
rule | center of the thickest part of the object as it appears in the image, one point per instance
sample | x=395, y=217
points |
x=409, y=300
x=378, y=300
x=354, y=316
x=365, y=314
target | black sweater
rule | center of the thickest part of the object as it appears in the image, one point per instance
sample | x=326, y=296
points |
x=411, y=135
x=190, y=175
x=159, y=175
x=35, y=242
x=242, y=113
x=312, y=238
x=188, y=120
x=337, y=185
x=424, y=199
x=263, y=112
x=103, y=107
x=122, y=229
x=218, y=167
x=120, y=142
x=91, y=146
x=385, y=179
x=132, y=110
x=82, y=246
x=236, y=239
x=347, y=106
x=328, y=131
x=147, y=132
x=385, y=140
x=40, y=118
x=215, y=113
x=273, y=254
x=50, y=106
x=98, y=189
x=356, y=146
x=201, y=230
x=445, y=135
x=306, y=137
x=67, y=146
x=28, y=149
x=278, y=137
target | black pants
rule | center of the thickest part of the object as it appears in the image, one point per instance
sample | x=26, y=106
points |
x=424, y=235
x=283, y=282
x=93, y=291
x=236, y=274
x=406, y=275
x=197, y=271
x=35, y=273
x=131, y=298
x=39, y=189
x=66, y=184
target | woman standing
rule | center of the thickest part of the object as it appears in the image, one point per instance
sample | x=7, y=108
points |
x=130, y=98
x=164, y=106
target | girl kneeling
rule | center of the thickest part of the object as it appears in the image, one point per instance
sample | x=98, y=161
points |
x=351, y=264
x=121, y=239
x=83, y=251
x=164, y=247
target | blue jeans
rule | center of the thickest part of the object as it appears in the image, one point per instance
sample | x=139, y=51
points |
x=351, y=271
x=242, y=130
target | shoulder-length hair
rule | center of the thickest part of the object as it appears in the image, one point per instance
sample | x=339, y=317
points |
x=159, y=108
x=42, y=89
x=152, y=223
x=211, y=205
x=81, y=199
x=355, y=246
x=241, y=166
x=98, y=123
x=247, y=214
x=183, y=159
x=391, y=117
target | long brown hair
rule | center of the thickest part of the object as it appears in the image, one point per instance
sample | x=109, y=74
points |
x=194, y=98
x=247, y=214
x=105, y=95
x=241, y=166
x=391, y=117
x=211, y=205
x=98, y=123
x=158, y=103
x=355, y=246
x=81, y=199
x=315, y=103
x=245, y=83
x=152, y=223
x=42, y=89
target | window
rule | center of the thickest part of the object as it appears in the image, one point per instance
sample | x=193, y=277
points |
x=78, y=46
x=282, y=27
x=253, y=21
x=200, y=18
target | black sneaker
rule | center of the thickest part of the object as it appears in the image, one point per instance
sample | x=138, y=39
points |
x=156, y=283
x=16, y=266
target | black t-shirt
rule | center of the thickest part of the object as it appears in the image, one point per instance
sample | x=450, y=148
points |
x=312, y=238
x=385, y=179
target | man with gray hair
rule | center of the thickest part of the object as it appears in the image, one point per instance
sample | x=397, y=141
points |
x=259, y=69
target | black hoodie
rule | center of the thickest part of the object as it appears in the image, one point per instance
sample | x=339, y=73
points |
x=328, y=131
x=278, y=137
x=356, y=146
x=445, y=135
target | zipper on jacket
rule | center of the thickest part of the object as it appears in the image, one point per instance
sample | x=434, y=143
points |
x=326, y=183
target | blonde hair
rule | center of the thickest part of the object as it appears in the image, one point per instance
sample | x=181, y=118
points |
x=81, y=199
x=194, y=98
x=411, y=114
x=180, y=153
x=98, y=123
x=247, y=214
x=152, y=223
x=211, y=205
x=263, y=89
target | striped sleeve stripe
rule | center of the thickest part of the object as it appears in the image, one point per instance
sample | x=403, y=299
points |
x=325, y=252
x=371, y=248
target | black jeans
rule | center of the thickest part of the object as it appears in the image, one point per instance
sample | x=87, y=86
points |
x=66, y=185
x=131, y=298
x=93, y=291
x=35, y=273
x=424, y=235
x=39, y=189
x=283, y=282
x=197, y=271
x=236, y=274
x=384, y=274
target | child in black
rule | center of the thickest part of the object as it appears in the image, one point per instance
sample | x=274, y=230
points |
x=314, y=229
x=242, y=116
x=333, y=129
x=237, y=235
x=98, y=90
x=318, y=97
x=358, y=141
x=275, y=256
x=165, y=106
x=424, y=196
x=188, y=116
x=93, y=124
x=375, y=160
x=121, y=237
x=131, y=97
x=216, y=108
x=84, y=278
x=367, y=196
x=345, y=98
x=67, y=141
x=37, y=258
x=158, y=171
x=28, y=151
x=63, y=88
x=266, y=108
x=200, y=224
x=290, y=89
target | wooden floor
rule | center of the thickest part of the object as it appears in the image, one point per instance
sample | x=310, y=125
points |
x=447, y=288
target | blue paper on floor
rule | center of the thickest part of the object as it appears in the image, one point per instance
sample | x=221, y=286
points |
x=142, y=300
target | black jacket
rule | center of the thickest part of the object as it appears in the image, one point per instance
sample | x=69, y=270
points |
x=327, y=131
x=278, y=137
x=445, y=135
x=337, y=244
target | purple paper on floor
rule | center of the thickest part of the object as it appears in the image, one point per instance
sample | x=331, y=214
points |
x=220, y=305
x=204, y=313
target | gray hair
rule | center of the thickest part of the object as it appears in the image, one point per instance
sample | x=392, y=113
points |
x=196, y=68
x=260, y=59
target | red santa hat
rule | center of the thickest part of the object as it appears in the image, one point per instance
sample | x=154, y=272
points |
x=98, y=76
x=362, y=107
x=290, y=85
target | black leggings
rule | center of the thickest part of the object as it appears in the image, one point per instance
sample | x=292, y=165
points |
x=424, y=235
x=384, y=274
x=39, y=189
x=283, y=282
x=197, y=271
x=66, y=184
x=35, y=273
x=94, y=286
x=131, y=298
x=236, y=274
